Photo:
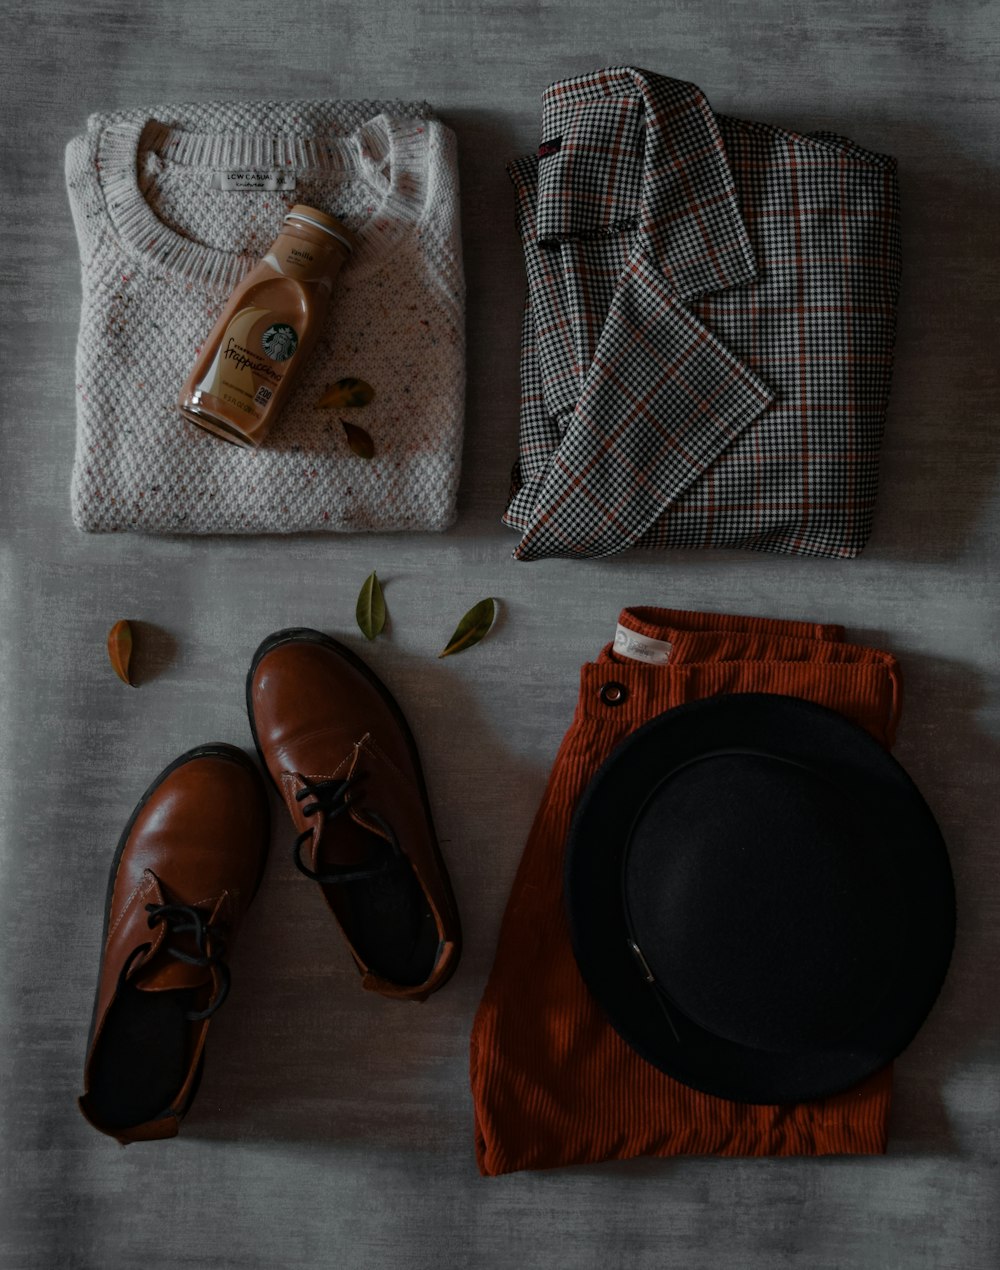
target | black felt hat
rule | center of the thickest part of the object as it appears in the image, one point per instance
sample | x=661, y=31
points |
x=759, y=898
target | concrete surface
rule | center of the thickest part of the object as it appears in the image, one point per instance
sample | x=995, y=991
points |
x=332, y=1129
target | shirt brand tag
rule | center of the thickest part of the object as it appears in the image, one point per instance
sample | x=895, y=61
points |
x=642, y=647
x=254, y=179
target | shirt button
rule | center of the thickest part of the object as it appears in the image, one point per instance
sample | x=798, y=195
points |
x=613, y=693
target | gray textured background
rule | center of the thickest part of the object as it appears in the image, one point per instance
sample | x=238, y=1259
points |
x=334, y=1128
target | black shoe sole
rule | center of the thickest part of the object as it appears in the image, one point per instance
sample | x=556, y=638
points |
x=305, y=635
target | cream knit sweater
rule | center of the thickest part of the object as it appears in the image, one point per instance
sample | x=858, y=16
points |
x=161, y=247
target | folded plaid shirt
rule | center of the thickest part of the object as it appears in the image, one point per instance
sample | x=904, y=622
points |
x=709, y=327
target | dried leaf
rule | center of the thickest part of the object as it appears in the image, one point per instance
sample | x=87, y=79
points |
x=472, y=627
x=371, y=607
x=358, y=439
x=346, y=393
x=120, y=650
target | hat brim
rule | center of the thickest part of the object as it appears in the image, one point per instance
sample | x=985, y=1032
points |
x=912, y=854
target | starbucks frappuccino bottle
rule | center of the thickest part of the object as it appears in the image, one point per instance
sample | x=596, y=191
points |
x=246, y=367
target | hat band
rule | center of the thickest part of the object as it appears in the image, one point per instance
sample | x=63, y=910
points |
x=659, y=995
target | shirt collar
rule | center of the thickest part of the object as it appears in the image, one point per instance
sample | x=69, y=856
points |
x=623, y=148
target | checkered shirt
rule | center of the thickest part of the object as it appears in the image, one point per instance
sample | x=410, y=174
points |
x=709, y=327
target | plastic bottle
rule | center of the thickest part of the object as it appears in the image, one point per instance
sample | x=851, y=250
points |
x=246, y=367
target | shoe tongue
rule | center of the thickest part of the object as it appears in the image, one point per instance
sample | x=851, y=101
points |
x=163, y=972
x=344, y=840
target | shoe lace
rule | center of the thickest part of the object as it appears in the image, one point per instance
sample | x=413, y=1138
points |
x=182, y=919
x=332, y=798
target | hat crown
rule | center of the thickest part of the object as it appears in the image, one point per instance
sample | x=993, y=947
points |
x=754, y=893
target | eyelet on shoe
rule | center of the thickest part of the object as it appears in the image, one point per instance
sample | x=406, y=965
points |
x=613, y=693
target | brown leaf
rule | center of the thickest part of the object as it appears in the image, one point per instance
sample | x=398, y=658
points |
x=120, y=650
x=358, y=439
x=348, y=392
x=471, y=629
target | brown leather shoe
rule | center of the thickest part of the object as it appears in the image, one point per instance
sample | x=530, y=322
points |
x=186, y=868
x=339, y=750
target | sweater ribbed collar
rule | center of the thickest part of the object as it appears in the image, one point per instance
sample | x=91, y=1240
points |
x=400, y=144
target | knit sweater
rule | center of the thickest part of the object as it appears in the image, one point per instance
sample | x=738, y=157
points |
x=162, y=246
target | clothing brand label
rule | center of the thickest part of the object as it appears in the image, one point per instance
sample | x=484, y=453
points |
x=255, y=179
x=641, y=647
x=549, y=147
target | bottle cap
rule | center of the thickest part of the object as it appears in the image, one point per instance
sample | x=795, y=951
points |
x=323, y=220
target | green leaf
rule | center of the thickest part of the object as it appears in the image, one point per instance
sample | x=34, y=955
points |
x=472, y=627
x=370, y=611
x=348, y=392
x=359, y=440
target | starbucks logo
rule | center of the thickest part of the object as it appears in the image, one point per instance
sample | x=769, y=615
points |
x=279, y=342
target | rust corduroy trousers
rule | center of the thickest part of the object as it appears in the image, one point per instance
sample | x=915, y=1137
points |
x=552, y=1082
